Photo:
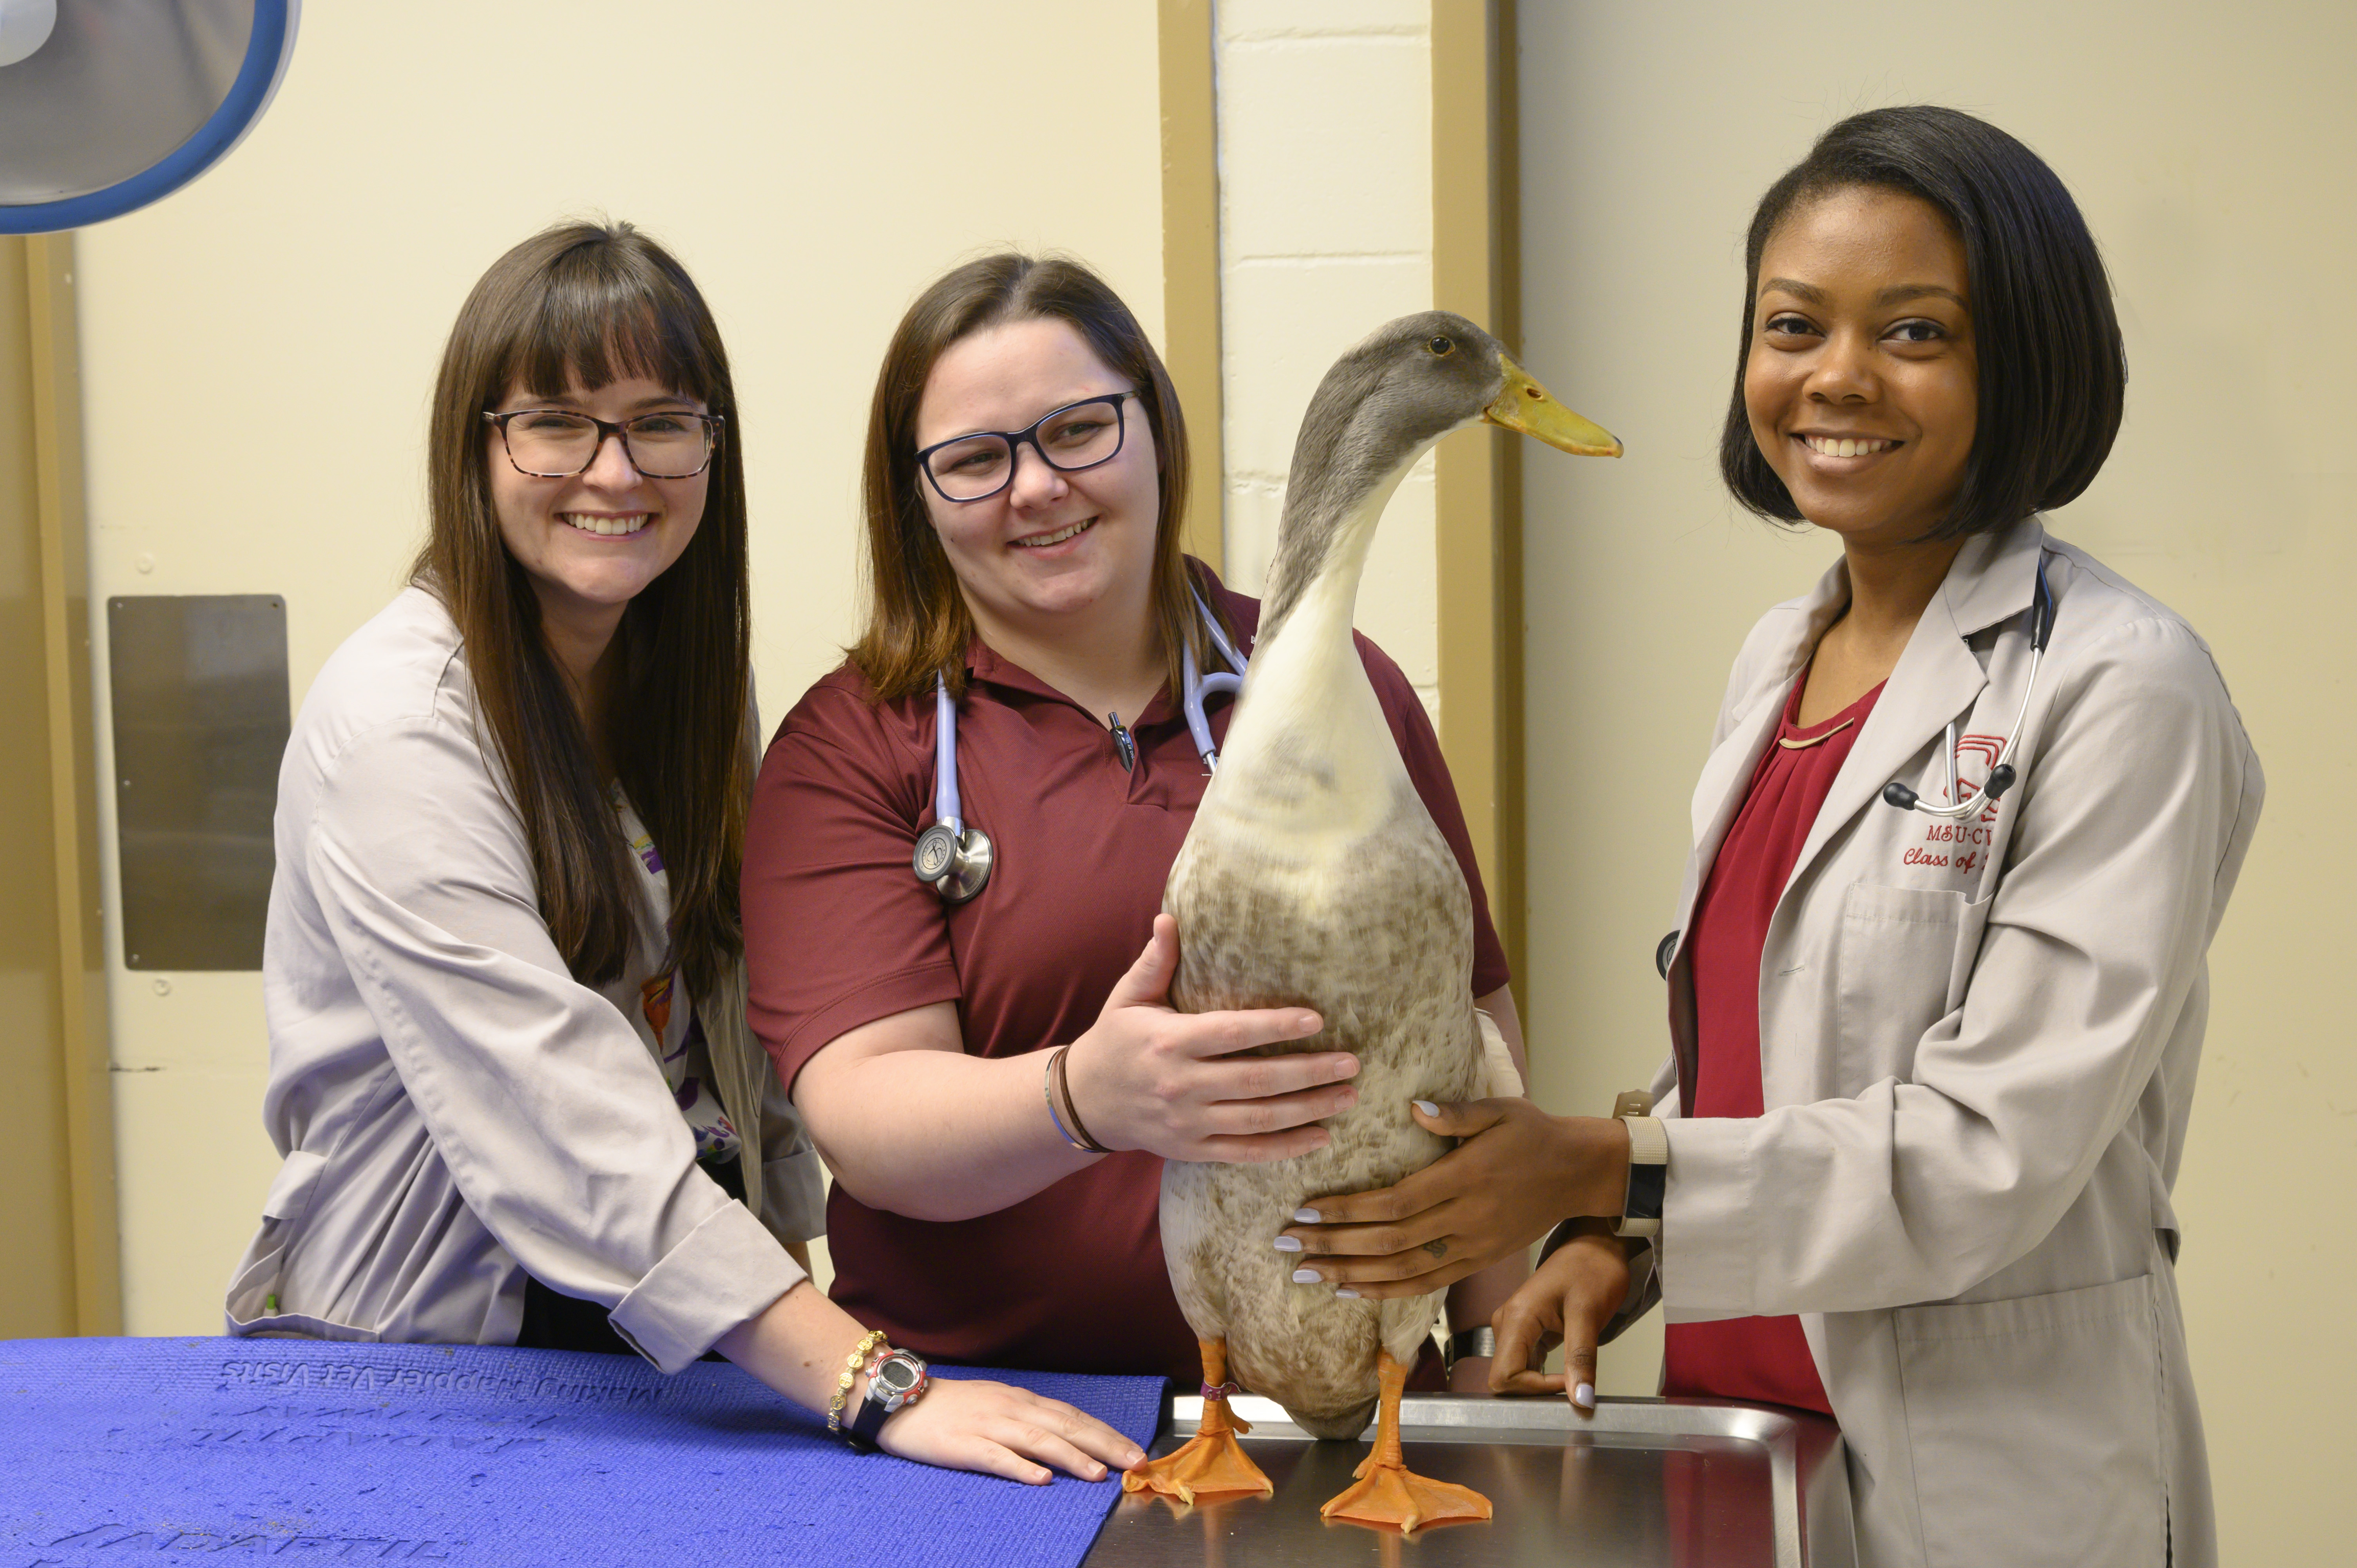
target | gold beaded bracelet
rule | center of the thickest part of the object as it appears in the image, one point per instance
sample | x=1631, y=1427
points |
x=851, y=1366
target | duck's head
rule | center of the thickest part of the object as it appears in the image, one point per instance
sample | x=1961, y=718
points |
x=1383, y=405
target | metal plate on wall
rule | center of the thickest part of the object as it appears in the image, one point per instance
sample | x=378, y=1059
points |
x=200, y=722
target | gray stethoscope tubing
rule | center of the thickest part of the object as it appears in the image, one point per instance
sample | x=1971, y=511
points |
x=2003, y=776
x=954, y=859
x=1199, y=687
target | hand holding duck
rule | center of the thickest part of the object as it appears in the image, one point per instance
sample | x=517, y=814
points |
x=1518, y=1171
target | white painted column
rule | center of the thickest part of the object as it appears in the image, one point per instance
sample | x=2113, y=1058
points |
x=1324, y=234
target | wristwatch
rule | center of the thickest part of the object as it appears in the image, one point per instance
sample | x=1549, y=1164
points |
x=1648, y=1169
x=1481, y=1341
x=895, y=1379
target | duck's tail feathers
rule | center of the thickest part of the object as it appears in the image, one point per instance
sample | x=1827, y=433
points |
x=1502, y=1081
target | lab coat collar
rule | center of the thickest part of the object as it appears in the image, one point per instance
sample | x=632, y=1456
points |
x=1938, y=677
x=1992, y=577
x=1719, y=794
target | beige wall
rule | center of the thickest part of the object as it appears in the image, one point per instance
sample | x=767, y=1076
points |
x=1324, y=234
x=2213, y=150
x=258, y=351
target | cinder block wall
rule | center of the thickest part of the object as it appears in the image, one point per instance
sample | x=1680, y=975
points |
x=1324, y=234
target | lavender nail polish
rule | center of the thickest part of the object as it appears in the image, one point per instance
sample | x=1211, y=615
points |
x=1288, y=1244
x=1305, y=1217
x=1306, y=1277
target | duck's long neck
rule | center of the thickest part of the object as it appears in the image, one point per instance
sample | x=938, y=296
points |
x=1321, y=553
x=1310, y=736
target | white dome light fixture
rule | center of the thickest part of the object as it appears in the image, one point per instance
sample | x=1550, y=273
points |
x=24, y=26
x=106, y=106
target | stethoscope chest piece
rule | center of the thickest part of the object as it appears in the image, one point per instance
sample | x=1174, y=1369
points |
x=954, y=863
x=953, y=859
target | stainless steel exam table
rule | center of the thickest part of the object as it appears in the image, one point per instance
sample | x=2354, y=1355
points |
x=1644, y=1482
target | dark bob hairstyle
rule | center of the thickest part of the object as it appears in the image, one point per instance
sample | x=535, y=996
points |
x=2052, y=370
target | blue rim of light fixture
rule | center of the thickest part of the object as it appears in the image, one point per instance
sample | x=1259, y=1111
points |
x=267, y=49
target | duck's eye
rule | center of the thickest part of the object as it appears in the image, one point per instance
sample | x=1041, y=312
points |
x=1440, y=346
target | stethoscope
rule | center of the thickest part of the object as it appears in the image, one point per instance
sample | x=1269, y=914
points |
x=2003, y=775
x=953, y=858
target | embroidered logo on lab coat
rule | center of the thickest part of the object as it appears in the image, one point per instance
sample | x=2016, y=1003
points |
x=1961, y=847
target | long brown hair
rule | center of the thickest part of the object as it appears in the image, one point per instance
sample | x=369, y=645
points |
x=918, y=623
x=592, y=303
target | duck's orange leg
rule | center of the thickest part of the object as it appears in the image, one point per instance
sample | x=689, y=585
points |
x=1212, y=1460
x=1387, y=1493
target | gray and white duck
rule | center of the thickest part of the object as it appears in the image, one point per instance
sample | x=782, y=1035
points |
x=1314, y=876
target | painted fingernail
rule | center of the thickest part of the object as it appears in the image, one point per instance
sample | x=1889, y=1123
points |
x=1427, y=1107
x=1288, y=1243
x=1306, y=1276
x=1344, y=1292
x=1584, y=1396
x=1305, y=1217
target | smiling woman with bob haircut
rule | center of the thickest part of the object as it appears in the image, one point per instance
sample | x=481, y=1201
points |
x=510, y=1075
x=1972, y=810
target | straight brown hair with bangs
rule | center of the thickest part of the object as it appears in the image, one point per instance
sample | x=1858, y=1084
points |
x=918, y=622
x=588, y=304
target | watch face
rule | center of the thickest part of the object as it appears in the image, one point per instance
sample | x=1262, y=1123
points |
x=898, y=1375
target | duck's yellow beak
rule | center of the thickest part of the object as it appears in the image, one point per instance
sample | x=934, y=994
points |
x=1523, y=404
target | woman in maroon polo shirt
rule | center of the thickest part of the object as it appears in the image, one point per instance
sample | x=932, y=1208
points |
x=1053, y=598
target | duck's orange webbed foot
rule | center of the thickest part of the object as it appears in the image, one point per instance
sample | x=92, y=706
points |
x=1212, y=1460
x=1388, y=1494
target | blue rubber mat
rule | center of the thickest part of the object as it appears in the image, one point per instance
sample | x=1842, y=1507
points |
x=113, y=1449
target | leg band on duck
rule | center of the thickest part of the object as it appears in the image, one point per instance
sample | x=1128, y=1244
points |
x=1212, y=1460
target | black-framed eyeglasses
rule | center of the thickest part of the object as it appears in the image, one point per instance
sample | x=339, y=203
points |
x=1078, y=435
x=557, y=443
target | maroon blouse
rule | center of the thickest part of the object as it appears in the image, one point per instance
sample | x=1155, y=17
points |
x=1764, y=1359
x=839, y=933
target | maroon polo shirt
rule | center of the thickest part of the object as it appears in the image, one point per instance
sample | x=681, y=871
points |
x=1753, y=1357
x=839, y=933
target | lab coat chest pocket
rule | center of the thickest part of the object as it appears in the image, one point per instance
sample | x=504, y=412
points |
x=1894, y=968
x=2034, y=1426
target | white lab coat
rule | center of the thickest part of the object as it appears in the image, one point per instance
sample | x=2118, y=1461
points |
x=453, y=1108
x=1977, y=1085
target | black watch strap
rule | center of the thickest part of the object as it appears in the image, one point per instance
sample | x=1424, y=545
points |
x=895, y=1380
x=866, y=1426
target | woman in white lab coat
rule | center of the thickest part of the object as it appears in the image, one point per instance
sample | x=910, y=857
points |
x=1909, y=1160
x=511, y=1080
